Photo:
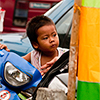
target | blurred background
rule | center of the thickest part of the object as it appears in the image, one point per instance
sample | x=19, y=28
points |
x=18, y=12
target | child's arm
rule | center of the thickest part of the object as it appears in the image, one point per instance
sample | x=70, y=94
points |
x=3, y=46
x=27, y=57
x=48, y=65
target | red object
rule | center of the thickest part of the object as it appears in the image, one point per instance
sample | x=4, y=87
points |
x=18, y=12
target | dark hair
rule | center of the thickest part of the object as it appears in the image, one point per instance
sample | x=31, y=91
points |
x=34, y=24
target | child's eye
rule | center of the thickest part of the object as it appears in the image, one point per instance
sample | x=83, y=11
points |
x=45, y=38
x=54, y=35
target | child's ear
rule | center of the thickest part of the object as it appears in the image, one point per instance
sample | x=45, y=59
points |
x=35, y=45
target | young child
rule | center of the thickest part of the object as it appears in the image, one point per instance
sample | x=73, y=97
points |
x=44, y=38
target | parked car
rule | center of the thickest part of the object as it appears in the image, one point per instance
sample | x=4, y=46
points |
x=61, y=14
x=18, y=12
x=16, y=43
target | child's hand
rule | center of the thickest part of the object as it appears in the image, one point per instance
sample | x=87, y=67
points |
x=48, y=65
x=2, y=46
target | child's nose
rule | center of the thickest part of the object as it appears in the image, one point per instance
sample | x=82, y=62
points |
x=51, y=39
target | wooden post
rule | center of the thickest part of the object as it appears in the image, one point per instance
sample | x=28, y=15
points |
x=74, y=51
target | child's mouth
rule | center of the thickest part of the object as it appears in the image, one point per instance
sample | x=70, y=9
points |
x=54, y=45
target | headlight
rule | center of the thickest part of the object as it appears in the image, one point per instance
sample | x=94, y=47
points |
x=14, y=76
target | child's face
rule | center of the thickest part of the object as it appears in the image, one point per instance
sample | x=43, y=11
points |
x=48, y=40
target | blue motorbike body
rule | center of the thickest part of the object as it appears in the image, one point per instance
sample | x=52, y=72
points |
x=7, y=94
x=23, y=66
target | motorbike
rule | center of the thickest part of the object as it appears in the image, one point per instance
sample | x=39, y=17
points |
x=21, y=80
x=18, y=77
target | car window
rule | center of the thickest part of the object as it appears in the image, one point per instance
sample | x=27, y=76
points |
x=62, y=27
